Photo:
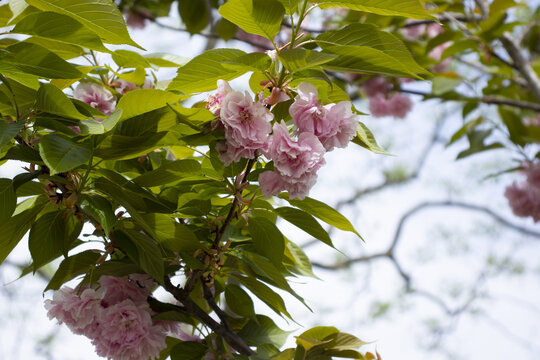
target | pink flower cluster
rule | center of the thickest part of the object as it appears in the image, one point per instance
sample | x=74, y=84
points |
x=114, y=315
x=248, y=127
x=382, y=103
x=96, y=96
x=319, y=129
x=524, y=198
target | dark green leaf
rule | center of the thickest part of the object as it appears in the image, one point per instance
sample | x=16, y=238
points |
x=322, y=211
x=150, y=259
x=62, y=154
x=9, y=131
x=73, y=266
x=8, y=199
x=195, y=15
x=239, y=301
x=266, y=294
x=263, y=330
x=305, y=222
x=188, y=350
x=267, y=239
x=100, y=209
x=14, y=229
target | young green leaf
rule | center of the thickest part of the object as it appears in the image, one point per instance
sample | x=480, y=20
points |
x=59, y=27
x=364, y=137
x=203, y=71
x=52, y=100
x=100, y=16
x=37, y=60
x=239, y=301
x=260, y=17
x=9, y=131
x=406, y=8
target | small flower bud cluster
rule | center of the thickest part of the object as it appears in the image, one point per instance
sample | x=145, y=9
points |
x=382, y=103
x=248, y=129
x=524, y=198
x=114, y=315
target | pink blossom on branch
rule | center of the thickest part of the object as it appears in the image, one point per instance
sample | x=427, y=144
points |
x=214, y=101
x=397, y=105
x=524, y=198
x=115, y=315
x=96, y=96
x=334, y=124
x=295, y=163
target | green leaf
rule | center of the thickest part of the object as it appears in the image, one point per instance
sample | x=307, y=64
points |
x=13, y=230
x=9, y=131
x=169, y=172
x=119, y=147
x=8, y=199
x=59, y=27
x=188, y=350
x=266, y=294
x=171, y=234
x=225, y=29
x=319, y=332
x=260, y=17
x=291, y=6
x=100, y=16
x=406, y=8
x=150, y=259
x=263, y=330
x=195, y=15
x=301, y=264
x=253, y=61
x=203, y=71
x=61, y=154
x=140, y=101
x=364, y=137
x=344, y=341
x=322, y=211
x=130, y=59
x=37, y=60
x=304, y=221
x=73, y=266
x=100, y=209
x=51, y=236
x=165, y=59
x=267, y=238
x=52, y=100
x=239, y=301
x=300, y=59
x=93, y=126
x=125, y=199
x=366, y=35
x=14, y=73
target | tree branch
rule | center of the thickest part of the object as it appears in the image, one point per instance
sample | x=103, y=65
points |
x=235, y=341
x=522, y=64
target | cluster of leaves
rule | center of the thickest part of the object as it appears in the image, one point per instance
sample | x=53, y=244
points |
x=147, y=178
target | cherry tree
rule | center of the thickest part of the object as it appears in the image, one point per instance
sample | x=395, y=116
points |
x=183, y=200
